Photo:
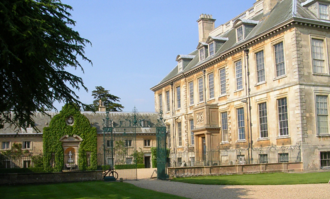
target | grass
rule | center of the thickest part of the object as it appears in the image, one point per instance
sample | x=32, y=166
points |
x=260, y=179
x=81, y=190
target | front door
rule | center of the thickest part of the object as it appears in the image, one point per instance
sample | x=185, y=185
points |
x=147, y=161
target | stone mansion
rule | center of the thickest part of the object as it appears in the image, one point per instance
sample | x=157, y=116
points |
x=255, y=90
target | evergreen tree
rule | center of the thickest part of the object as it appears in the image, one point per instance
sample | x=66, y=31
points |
x=108, y=99
x=37, y=43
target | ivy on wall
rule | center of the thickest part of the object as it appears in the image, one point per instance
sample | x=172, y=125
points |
x=154, y=156
x=59, y=128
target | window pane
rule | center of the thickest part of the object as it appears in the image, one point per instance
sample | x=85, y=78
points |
x=168, y=100
x=200, y=89
x=201, y=54
x=224, y=126
x=263, y=120
x=279, y=57
x=239, y=81
x=160, y=103
x=211, y=85
x=192, y=133
x=283, y=116
x=283, y=157
x=322, y=114
x=324, y=13
x=191, y=91
x=240, y=121
x=223, y=81
x=318, y=56
x=325, y=159
x=260, y=66
x=179, y=134
x=178, y=97
x=211, y=48
x=239, y=33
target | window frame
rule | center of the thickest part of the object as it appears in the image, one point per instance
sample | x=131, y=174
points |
x=179, y=126
x=160, y=98
x=275, y=60
x=327, y=159
x=319, y=10
x=110, y=143
x=224, y=126
x=243, y=33
x=178, y=97
x=192, y=135
x=24, y=147
x=318, y=132
x=128, y=143
x=262, y=158
x=7, y=145
x=191, y=93
x=211, y=86
x=223, y=82
x=263, y=67
x=279, y=119
x=237, y=77
x=325, y=54
x=213, y=48
x=200, y=89
x=201, y=53
x=260, y=122
x=168, y=108
x=241, y=135
x=146, y=142
x=280, y=159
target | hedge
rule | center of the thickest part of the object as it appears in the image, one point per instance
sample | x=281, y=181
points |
x=129, y=166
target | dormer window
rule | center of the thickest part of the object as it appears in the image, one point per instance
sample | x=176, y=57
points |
x=201, y=54
x=180, y=66
x=243, y=28
x=211, y=48
x=324, y=11
x=240, y=33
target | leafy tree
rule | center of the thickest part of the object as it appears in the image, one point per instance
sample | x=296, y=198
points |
x=109, y=100
x=37, y=43
x=138, y=156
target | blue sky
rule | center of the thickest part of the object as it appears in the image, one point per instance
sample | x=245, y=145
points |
x=135, y=42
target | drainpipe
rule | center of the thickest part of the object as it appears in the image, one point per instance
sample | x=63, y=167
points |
x=248, y=94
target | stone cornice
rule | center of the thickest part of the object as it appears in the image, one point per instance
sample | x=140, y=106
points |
x=296, y=21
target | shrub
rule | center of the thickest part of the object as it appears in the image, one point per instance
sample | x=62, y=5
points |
x=129, y=166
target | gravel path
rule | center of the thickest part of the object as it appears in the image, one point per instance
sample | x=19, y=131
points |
x=195, y=191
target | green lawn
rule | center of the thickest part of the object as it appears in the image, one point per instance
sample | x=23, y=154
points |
x=81, y=190
x=260, y=179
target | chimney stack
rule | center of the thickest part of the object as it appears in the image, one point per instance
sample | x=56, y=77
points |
x=269, y=5
x=101, y=106
x=205, y=26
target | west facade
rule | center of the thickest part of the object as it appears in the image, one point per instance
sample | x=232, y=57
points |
x=256, y=89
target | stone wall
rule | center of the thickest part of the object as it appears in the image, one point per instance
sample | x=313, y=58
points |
x=41, y=178
x=234, y=169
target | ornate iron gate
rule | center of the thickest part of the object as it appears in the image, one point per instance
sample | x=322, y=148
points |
x=119, y=144
x=161, y=149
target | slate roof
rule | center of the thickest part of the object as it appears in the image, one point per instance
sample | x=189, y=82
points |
x=284, y=11
x=95, y=119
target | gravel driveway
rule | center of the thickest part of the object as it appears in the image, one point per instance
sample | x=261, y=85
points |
x=195, y=191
